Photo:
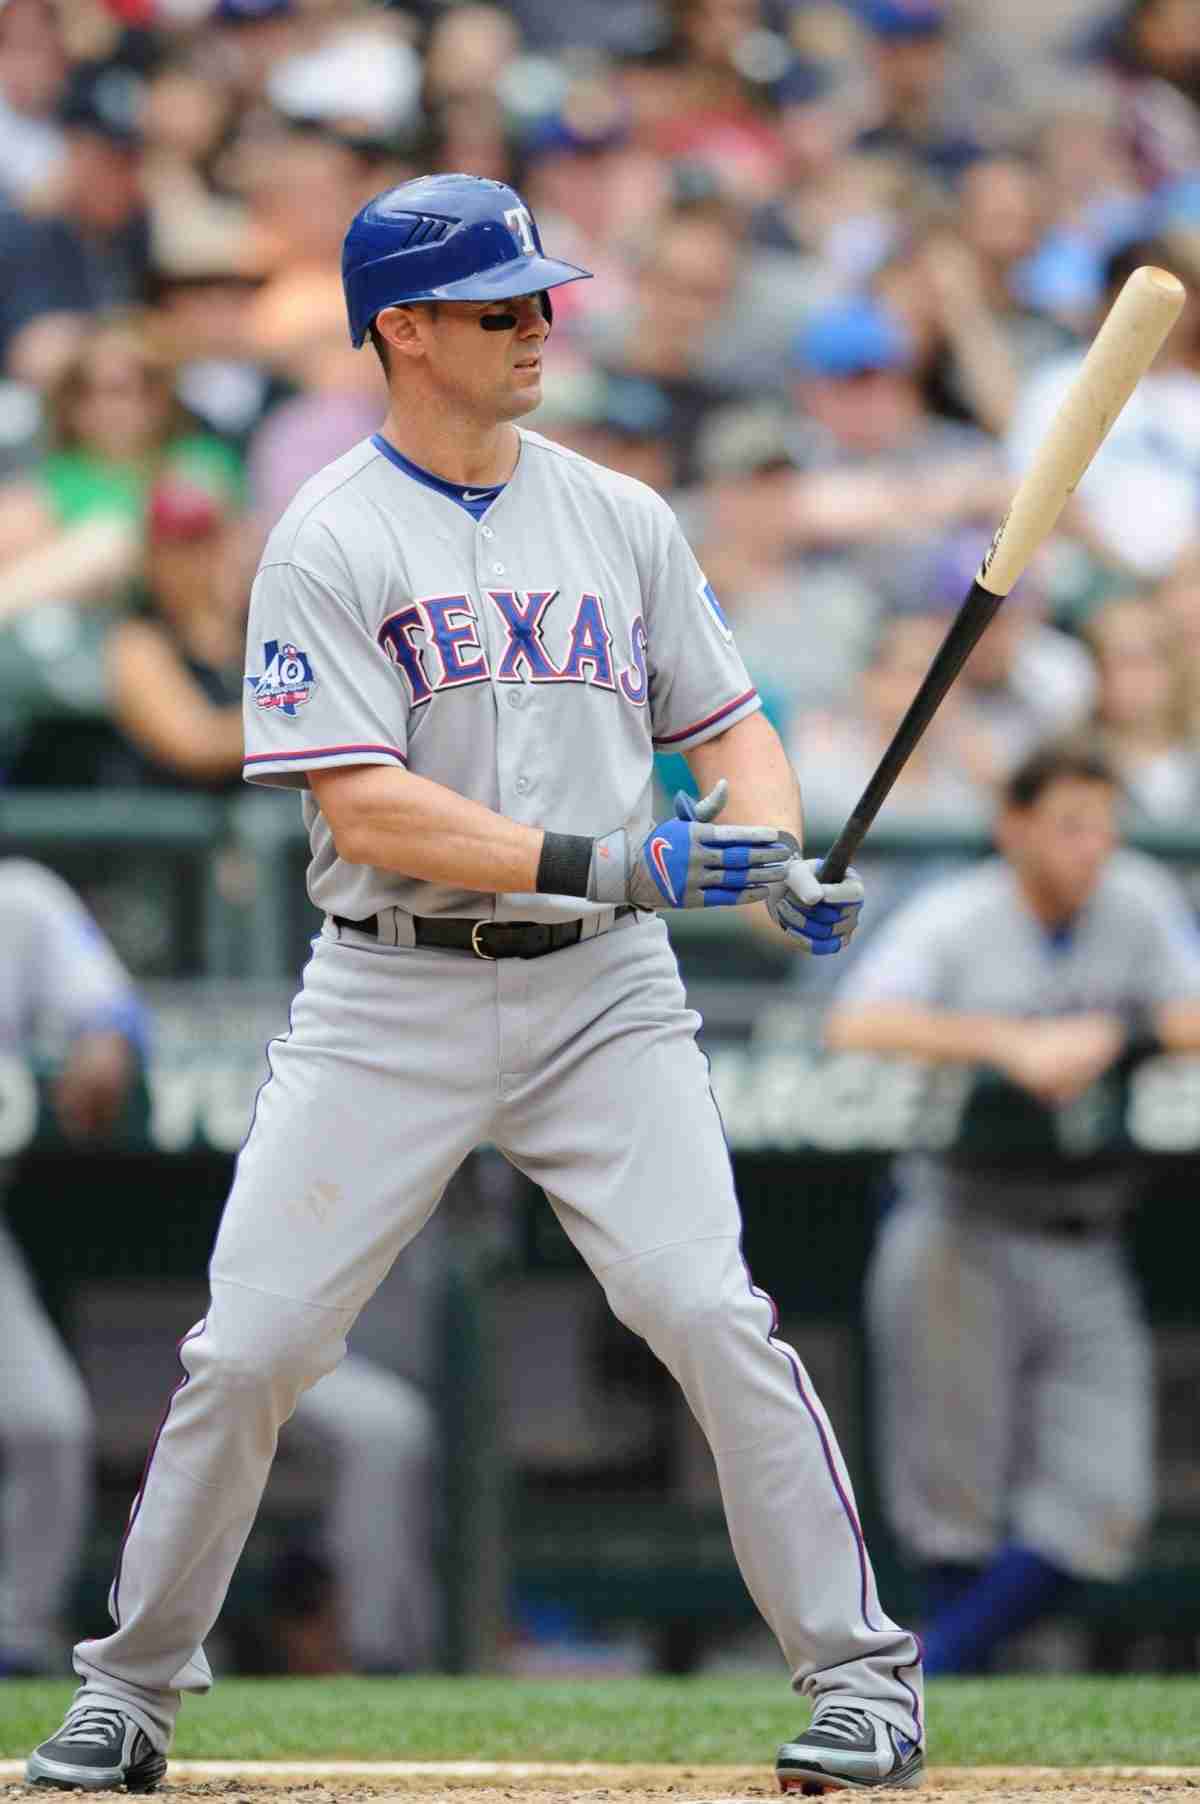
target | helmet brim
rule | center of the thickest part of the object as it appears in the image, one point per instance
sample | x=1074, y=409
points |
x=525, y=275
x=507, y=280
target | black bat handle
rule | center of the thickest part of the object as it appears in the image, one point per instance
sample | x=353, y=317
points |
x=966, y=629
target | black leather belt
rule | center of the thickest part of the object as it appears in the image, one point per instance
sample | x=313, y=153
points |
x=486, y=939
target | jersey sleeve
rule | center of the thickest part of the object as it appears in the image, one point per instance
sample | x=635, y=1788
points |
x=319, y=689
x=698, y=683
x=79, y=985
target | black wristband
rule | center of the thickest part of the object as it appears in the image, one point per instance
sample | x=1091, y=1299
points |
x=564, y=865
x=1142, y=1038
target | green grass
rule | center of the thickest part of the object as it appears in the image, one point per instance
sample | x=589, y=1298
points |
x=724, y=1721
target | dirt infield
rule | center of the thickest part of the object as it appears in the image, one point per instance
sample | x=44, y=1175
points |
x=486, y=1783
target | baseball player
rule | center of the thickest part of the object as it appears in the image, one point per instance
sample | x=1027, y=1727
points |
x=62, y=991
x=1013, y=1367
x=465, y=644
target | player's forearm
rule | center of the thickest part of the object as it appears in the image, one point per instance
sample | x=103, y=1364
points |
x=1177, y=1025
x=911, y=1031
x=399, y=822
x=763, y=790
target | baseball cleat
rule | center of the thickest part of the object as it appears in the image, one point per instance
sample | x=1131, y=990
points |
x=846, y=1748
x=97, y=1748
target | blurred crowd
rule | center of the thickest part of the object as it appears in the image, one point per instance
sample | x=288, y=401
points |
x=847, y=255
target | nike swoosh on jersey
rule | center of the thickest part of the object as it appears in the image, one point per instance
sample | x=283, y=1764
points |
x=477, y=494
x=658, y=846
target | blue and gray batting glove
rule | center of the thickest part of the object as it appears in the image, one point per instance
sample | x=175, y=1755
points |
x=819, y=917
x=688, y=862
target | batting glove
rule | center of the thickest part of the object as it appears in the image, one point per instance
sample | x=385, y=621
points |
x=819, y=917
x=688, y=862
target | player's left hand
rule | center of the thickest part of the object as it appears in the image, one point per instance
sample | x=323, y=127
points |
x=818, y=917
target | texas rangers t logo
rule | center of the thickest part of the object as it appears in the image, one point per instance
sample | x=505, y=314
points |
x=287, y=680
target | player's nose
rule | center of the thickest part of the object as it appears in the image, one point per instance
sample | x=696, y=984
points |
x=531, y=321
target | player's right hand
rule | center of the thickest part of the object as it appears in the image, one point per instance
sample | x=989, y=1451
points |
x=689, y=862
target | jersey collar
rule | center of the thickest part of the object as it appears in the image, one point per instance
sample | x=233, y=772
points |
x=475, y=501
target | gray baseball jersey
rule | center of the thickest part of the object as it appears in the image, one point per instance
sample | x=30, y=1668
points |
x=1009, y=1350
x=58, y=978
x=531, y=658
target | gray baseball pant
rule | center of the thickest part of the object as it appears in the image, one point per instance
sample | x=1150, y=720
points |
x=582, y=1068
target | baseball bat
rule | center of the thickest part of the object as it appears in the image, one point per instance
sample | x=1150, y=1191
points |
x=1121, y=352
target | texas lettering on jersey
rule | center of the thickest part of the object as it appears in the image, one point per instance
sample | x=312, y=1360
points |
x=436, y=643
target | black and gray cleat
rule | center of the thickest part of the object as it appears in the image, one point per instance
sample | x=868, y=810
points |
x=846, y=1748
x=97, y=1749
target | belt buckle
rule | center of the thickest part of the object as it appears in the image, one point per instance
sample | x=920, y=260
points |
x=476, y=948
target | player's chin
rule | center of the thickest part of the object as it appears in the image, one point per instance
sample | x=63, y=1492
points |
x=525, y=393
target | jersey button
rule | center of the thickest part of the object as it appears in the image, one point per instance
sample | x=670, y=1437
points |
x=521, y=785
x=515, y=698
x=487, y=532
x=499, y=569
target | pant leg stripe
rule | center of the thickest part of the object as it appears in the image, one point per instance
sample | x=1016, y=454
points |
x=191, y=1334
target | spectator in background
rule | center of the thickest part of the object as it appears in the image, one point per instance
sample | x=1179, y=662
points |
x=33, y=80
x=62, y=985
x=803, y=624
x=1141, y=711
x=947, y=780
x=204, y=286
x=91, y=251
x=335, y=396
x=1025, y=680
x=176, y=667
x=251, y=38
x=705, y=96
x=72, y=529
x=685, y=277
x=1135, y=509
x=840, y=211
x=877, y=466
x=957, y=288
x=585, y=179
x=468, y=61
x=1091, y=199
x=1153, y=52
x=924, y=112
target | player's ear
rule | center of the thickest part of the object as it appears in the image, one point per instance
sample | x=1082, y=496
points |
x=398, y=328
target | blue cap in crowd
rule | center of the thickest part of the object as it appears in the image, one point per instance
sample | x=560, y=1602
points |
x=249, y=12
x=904, y=19
x=851, y=338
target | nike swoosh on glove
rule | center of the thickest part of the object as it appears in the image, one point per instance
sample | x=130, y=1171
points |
x=688, y=862
x=820, y=917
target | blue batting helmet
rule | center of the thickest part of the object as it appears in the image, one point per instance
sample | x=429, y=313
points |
x=444, y=238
